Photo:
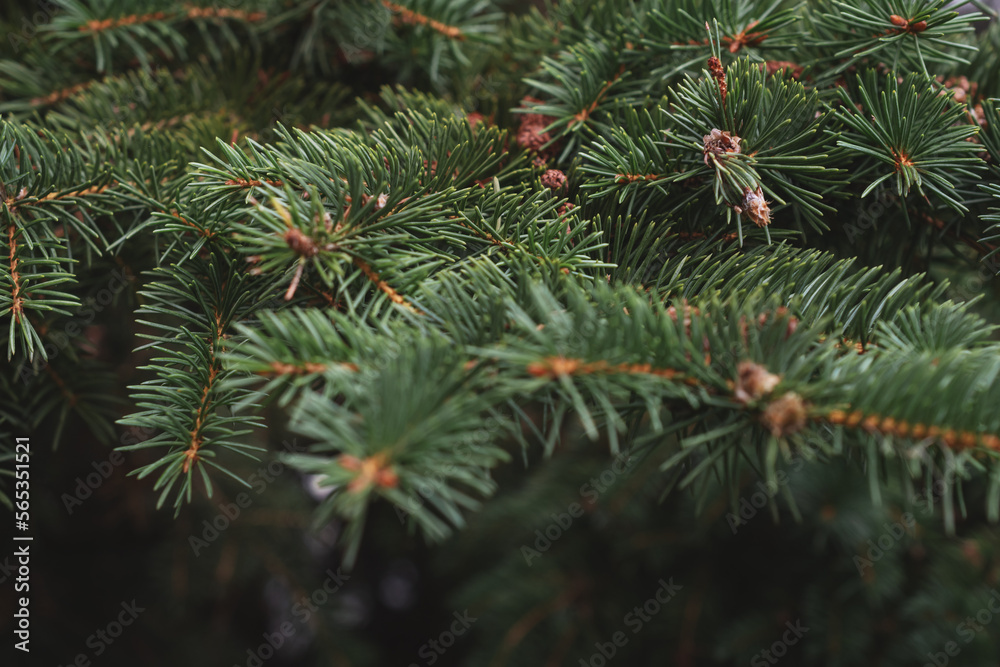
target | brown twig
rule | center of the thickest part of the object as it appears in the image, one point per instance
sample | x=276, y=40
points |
x=410, y=17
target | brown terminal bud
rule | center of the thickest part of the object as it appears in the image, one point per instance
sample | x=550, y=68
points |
x=301, y=244
x=719, y=142
x=898, y=20
x=753, y=382
x=554, y=179
x=530, y=133
x=755, y=207
x=475, y=117
x=719, y=74
x=786, y=415
x=919, y=26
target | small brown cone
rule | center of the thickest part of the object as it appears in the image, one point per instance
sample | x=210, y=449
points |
x=753, y=382
x=756, y=208
x=785, y=415
x=718, y=143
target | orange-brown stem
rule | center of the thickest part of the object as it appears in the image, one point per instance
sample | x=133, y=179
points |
x=410, y=17
x=385, y=287
x=16, y=301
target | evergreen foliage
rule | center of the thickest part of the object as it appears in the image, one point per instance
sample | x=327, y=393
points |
x=473, y=254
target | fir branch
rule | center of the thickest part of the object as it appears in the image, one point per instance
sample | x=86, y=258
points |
x=57, y=96
x=407, y=16
x=383, y=286
x=148, y=24
x=403, y=444
x=896, y=33
x=583, y=85
x=743, y=26
x=901, y=148
x=188, y=395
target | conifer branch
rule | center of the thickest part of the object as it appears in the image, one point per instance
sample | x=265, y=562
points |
x=57, y=96
x=383, y=286
x=429, y=261
x=16, y=302
x=407, y=16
